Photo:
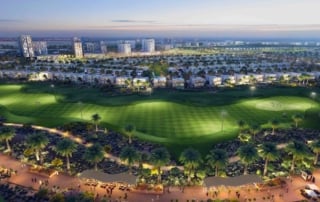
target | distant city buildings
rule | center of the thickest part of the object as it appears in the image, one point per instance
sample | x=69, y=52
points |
x=40, y=47
x=77, y=47
x=26, y=46
x=124, y=48
x=103, y=47
x=148, y=45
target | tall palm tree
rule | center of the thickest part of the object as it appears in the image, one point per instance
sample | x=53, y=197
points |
x=6, y=134
x=65, y=148
x=274, y=125
x=269, y=152
x=248, y=154
x=315, y=147
x=241, y=124
x=37, y=142
x=191, y=159
x=94, y=154
x=129, y=130
x=96, y=119
x=159, y=157
x=254, y=129
x=129, y=155
x=297, y=118
x=298, y=150
x=217, y=159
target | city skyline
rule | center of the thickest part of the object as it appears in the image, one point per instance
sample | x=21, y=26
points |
x=242, y=18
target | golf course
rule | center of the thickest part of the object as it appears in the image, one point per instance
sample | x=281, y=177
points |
x=174, y=118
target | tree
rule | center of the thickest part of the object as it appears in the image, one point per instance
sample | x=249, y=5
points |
x=241, y=124
x=159, y=157
x=94, y=154
x=65, y=148
x=274, y=125
x=315, y=147
x=217, y=159
x=254, y=129
x=6, y=134
x=191, y=159
x=269, y=152
x=298, y=150
x=96, y=119
x=129, y=130
x=248, y=154
x=297, y=118
x=37, y=142
x=129, y=155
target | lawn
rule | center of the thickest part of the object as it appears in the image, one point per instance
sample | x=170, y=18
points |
x=174, y=118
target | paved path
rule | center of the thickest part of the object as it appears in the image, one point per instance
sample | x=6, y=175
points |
x=65, y=181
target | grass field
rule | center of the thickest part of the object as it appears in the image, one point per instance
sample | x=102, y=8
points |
x=175, y=119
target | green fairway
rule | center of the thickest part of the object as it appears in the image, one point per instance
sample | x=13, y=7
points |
x=176, y=119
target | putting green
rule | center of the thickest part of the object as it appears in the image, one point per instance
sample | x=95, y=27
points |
x=171, y=118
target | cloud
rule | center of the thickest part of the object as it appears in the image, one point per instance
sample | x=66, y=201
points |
x=134, y=21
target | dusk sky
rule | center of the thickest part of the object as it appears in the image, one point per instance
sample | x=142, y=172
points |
x=196, y=18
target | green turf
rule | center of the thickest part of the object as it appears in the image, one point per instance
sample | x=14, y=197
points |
x=175, y=119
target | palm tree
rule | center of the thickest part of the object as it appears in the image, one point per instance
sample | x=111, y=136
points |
x=129, y=130
x=315, y=146
x=37, y=142
x=241, y=124
x=191, y=159
x=159, y=157
x=248, y=154
x=217, y=159
x=96, y=119
x=297, y=118
x=298, y=150
x=274, y=125
x=6, y=134
x=254, y=129
x=129, y=155
x=269, y=152
x=94, y=154
x=65, y=148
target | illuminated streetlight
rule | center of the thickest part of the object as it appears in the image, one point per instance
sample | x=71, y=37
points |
x=252, y=89
x=313, y=95
x=223, y=114
x=52, y=86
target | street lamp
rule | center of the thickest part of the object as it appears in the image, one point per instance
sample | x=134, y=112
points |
x=313, y=95
x=52, y=86
x=80, y=104
x=252, y=89
x=223, y=114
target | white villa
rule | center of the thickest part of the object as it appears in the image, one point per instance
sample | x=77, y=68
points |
x=214, y=80
x=177, y=82
x=159, y=82
x=197, y=82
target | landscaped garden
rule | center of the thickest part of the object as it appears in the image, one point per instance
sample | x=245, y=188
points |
x=177, y=119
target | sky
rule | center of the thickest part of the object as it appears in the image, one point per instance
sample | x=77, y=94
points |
x=192, y=18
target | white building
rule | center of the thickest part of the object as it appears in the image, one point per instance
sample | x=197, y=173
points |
x=77, y=47
x=197, y=82
x=26, y=46
x=214, y=80
x=159, y=82
x=148, y=45
x=177, y=82
x=124, y=48
x=103, y=47
x=140, y=81
x=40, y=47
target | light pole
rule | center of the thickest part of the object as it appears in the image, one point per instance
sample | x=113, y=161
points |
x=252, y=89
x=52, y=86
x=313, y=95
x=223, y=114
x=80, y=104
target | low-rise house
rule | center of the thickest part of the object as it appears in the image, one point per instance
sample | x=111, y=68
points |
x=159, y=82
x=139, y=81
x=214, y=80
x=123, y=81
x=177, y=82
x=197, y=82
